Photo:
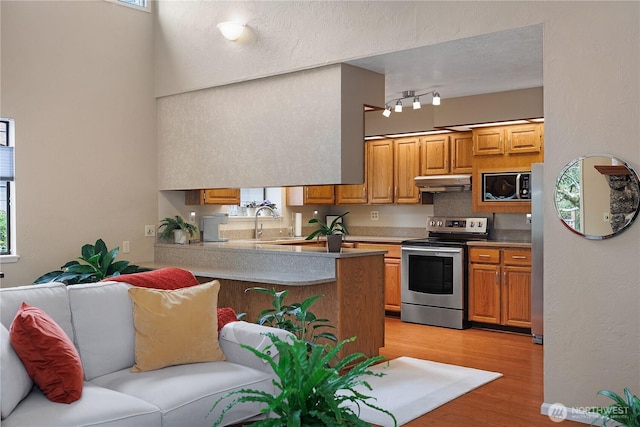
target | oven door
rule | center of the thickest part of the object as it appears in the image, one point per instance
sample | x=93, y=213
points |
x=433, y=276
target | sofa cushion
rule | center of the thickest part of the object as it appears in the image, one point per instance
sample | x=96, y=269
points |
x=163, y=278
x=50, y=297
x=186, y=393
x=48, y=354
x=103, y=324
x=175, y=327
x=226, y=315
x=15, y=380
x=97, y=407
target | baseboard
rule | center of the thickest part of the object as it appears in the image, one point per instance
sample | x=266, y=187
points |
x=559, y=412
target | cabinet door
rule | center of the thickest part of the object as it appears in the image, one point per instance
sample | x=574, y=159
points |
x=484, y=293
x=222, y=196
x=406, y=168
x=319, y=195
x=434, y=159
x=461, y=152
x=525, y=138
x=380, y=171
x=353, y=194
x=488, y=141
x=392, y=284
x=516, y=297
x=216, y=196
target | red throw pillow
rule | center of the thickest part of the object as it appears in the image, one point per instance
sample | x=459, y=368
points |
x=226, y=315
x=164, y=278
x=48, y=354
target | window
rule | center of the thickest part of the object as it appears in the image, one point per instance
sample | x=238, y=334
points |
x=134, y=4
x=6, y=185
x=139, y=3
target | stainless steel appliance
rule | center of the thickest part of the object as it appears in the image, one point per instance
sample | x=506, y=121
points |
x=443, y=183
x=537, y=262
x=434, y=272
x=506, y=186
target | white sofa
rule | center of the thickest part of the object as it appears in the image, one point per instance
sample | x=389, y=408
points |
x=99, y=320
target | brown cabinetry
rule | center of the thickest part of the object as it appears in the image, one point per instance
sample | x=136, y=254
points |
x=446, y=154
x=311, y=195
x=514, y=139
x=215, y=196
x=500, y=286
x=392, y=273
x=353, y=194
x=391, y=167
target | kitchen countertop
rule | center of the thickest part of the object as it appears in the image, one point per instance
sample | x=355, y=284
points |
x=248, y=261
x=500, y=243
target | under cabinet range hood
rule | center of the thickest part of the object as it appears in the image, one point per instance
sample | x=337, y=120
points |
x=443, y=183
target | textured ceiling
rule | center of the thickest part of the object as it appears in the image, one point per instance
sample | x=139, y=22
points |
x=495, y=62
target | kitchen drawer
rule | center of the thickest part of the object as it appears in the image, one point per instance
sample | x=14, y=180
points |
x=393, y=251
x=517, y=257
x=484, y=255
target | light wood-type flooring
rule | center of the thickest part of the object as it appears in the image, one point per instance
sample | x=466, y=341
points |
x=511, y=401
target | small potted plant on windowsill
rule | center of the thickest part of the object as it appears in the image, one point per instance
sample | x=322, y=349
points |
x=334, y=232
x=177, y=228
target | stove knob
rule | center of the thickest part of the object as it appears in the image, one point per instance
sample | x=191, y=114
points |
x=439, y=223
x=432, y=223
x=472, y=224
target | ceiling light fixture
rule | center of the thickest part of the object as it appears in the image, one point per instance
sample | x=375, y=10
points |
x=231, y=30
x=407, y=94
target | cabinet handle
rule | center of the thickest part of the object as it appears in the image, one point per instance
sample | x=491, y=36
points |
x=306, y=192
x=364, y=193
x=484, y=256
x=395, y=192
x=497, y=278
x=504, y=280
x=389, y=192
x=518, y=257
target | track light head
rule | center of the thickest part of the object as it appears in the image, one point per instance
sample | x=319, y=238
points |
x=398, y=107
x=387, y=111
x=416, y=103
x=436, y=98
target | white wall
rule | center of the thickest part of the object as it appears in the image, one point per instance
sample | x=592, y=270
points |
x=77, y=77
x=592, y=289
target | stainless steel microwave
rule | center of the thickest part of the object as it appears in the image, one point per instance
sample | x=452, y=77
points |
x=506, y=186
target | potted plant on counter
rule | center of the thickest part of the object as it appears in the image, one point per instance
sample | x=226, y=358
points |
x=334, y=232
x=177, y=228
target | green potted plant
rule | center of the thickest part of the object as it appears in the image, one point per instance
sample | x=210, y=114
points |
x=314, y=388
x=334, y=232
x=625, y=410
x=100, y=264
x=177, y=228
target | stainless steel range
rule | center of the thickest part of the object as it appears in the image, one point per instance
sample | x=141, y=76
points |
x=434, y=272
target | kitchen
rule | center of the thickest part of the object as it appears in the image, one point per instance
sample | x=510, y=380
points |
x=395, y=154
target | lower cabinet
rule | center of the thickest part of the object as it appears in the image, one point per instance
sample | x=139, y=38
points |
x=391, y=274
x=500, y=286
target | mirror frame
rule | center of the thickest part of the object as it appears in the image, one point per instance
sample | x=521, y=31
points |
x=571, y=164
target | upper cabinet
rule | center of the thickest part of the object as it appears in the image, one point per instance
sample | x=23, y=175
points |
x=515, y=139
x=311, y=195
x=216, y=196
x=446, y=154
x=391, y=167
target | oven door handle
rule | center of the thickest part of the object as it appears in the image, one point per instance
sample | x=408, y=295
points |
x=434, y=249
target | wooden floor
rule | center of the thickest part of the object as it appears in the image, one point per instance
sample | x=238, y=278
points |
x=510, y=401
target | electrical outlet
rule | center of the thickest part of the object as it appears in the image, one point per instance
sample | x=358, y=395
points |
x=126, y=248
x=149, y=230
x=606, y=217
x=375, y=215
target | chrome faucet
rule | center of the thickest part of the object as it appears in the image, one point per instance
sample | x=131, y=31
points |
x=258, y=233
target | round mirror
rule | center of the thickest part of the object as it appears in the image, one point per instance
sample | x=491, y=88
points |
x=597, y=196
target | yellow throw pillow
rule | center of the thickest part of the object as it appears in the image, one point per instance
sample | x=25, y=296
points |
x=175, y=327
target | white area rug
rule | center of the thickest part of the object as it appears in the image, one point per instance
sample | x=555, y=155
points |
x=412, y=387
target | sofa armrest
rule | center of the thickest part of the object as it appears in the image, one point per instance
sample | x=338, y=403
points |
x=233, y=335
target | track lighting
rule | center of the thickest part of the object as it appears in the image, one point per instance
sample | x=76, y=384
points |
x=407, y=94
